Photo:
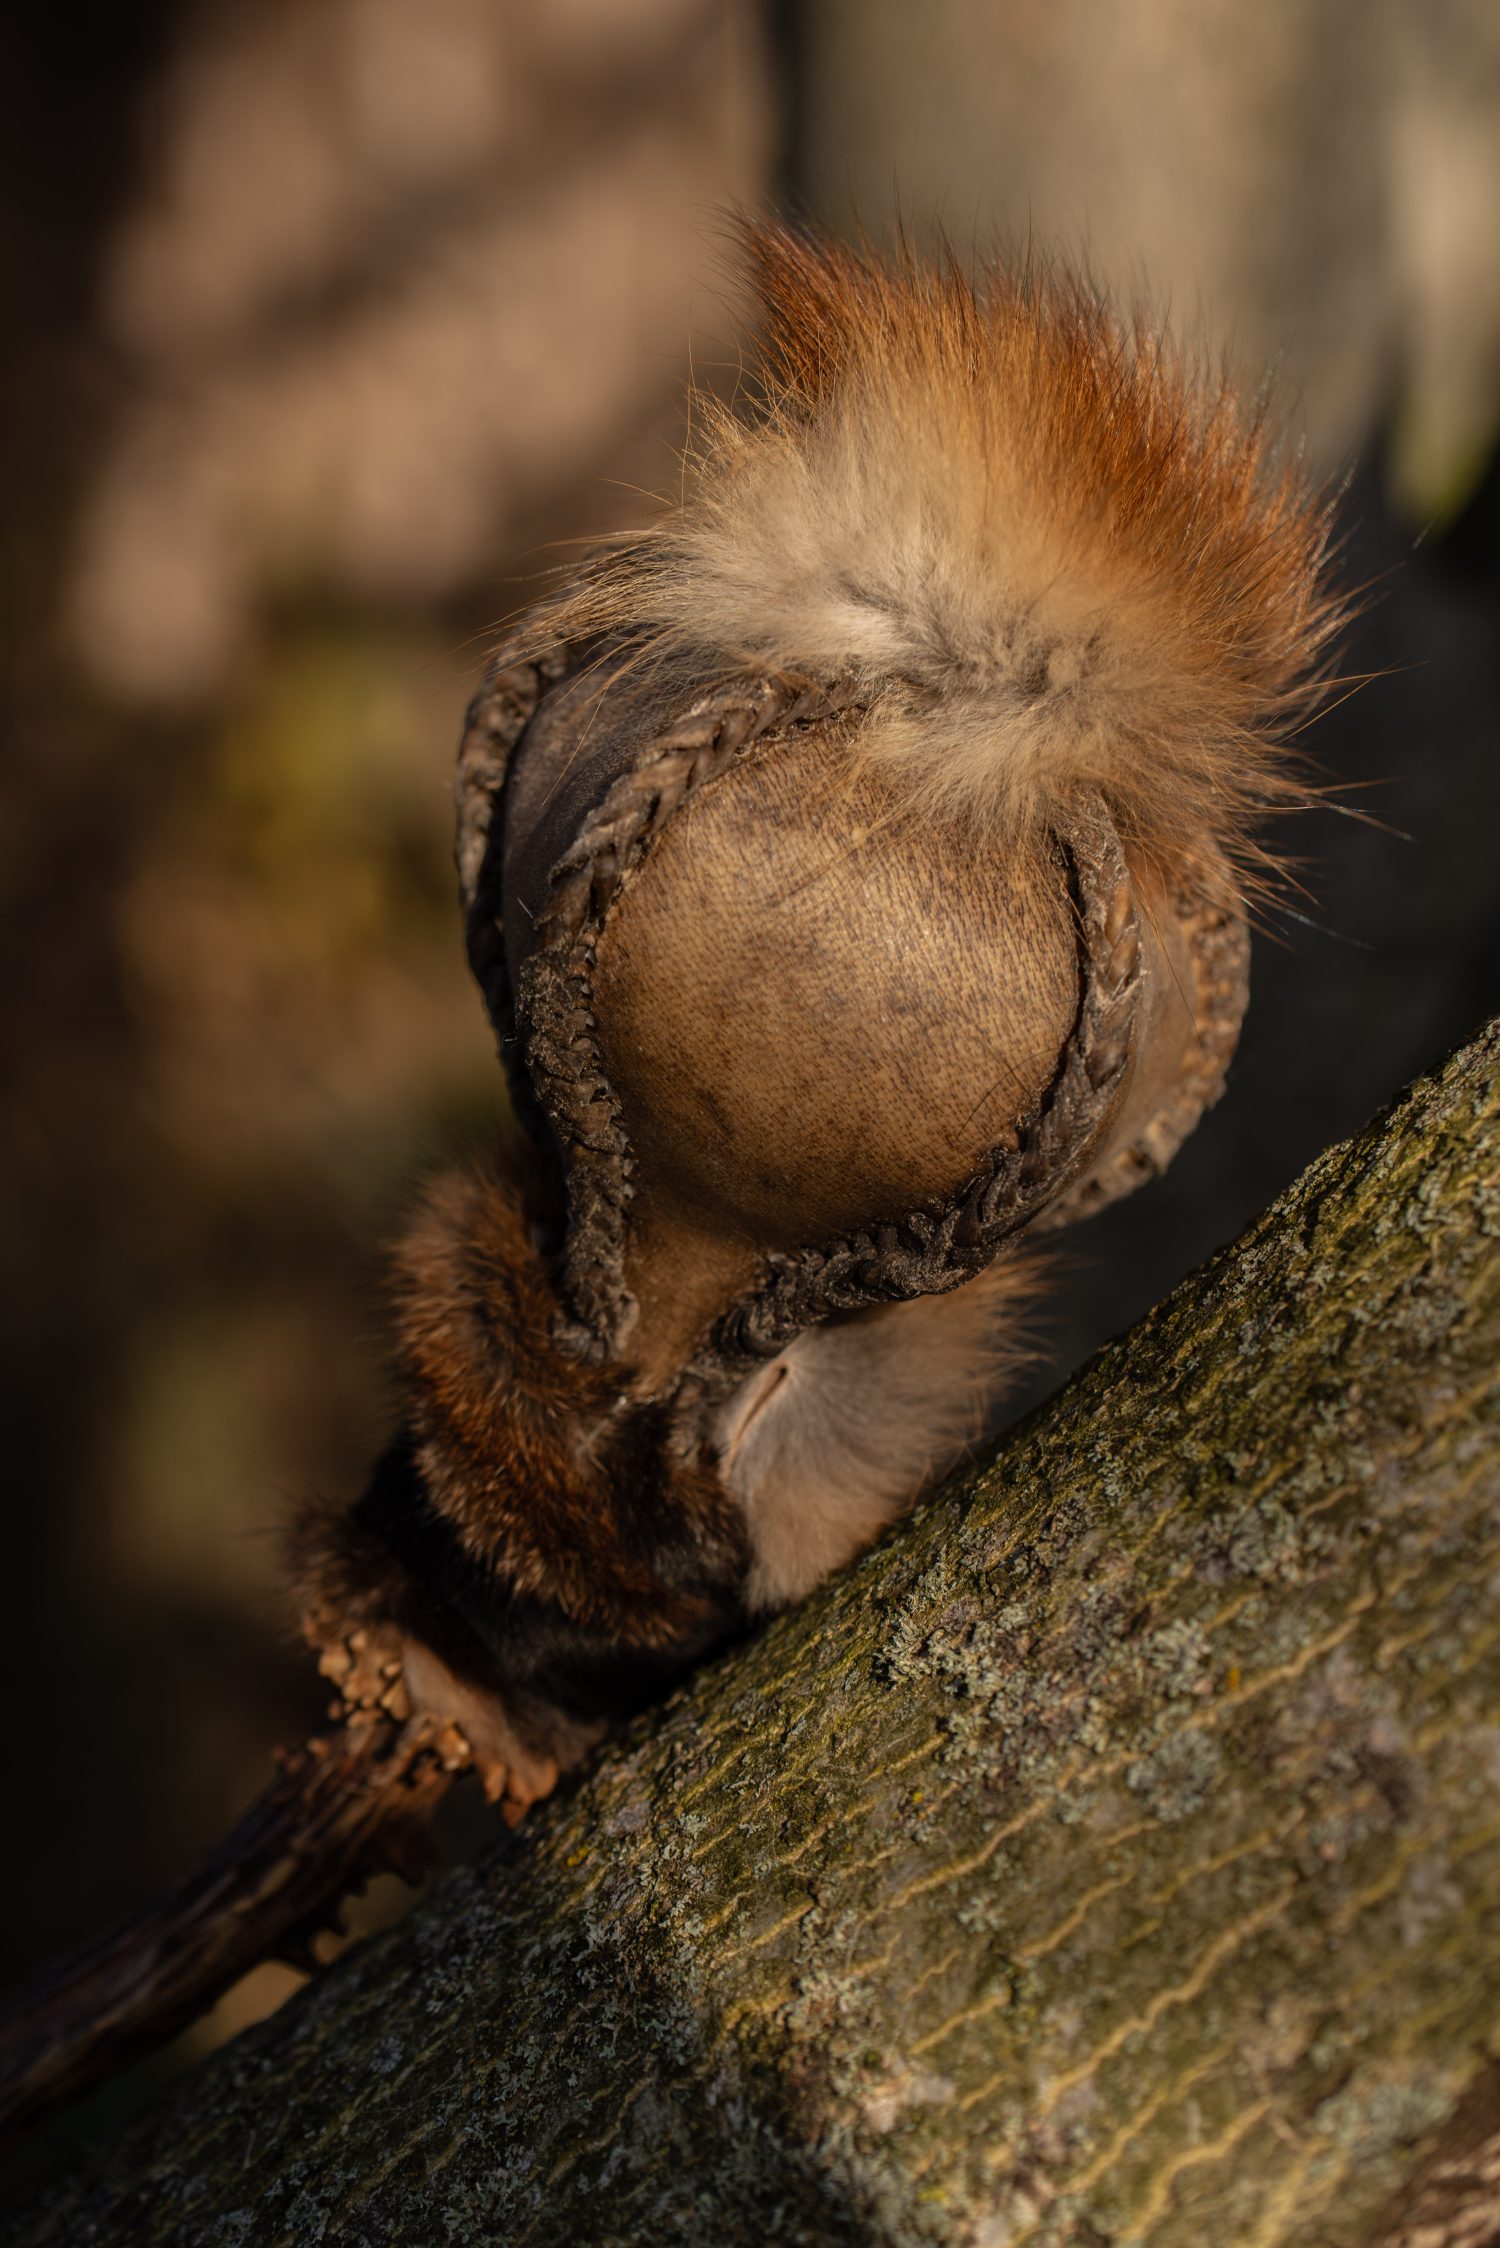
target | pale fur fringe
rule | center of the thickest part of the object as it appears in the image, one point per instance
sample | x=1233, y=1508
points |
x=1047, y=551
x=830, y=1442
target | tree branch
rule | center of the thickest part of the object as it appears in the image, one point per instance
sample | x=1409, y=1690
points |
x=1114, y=1855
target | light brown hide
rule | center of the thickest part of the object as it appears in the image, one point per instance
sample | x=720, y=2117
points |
x=1166, y=1022
x=813, y=1009
x=588, y=731
x=1194, y=988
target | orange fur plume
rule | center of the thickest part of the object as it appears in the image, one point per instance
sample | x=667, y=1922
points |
x=1047, y=550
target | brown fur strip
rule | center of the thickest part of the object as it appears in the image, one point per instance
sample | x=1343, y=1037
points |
x=545, y=1472
x=551, y=1492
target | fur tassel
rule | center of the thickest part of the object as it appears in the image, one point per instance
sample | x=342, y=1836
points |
x=533, y=1529
x=835, y=1438
x=549, y=1478
x=1050, y=552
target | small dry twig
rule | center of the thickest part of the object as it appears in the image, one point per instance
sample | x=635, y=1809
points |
x=345, y=1806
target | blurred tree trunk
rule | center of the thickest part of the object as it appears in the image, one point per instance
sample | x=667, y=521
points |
x=1114, y=1855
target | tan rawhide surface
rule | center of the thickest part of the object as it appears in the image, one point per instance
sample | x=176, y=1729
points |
x=814, y=1012
x=756, y=1003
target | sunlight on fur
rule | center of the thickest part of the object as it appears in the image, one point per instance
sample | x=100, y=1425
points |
x=1048, y=550
x=832, y=1440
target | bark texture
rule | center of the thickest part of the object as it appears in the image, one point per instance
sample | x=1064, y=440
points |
x=1113, y=1856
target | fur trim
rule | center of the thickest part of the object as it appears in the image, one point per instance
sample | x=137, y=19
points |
x=833, y=1440
x=539, y=1478
x=1046, y=548
x=551, y=1478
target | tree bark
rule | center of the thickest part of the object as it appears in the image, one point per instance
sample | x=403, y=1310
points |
x=1112, y=1856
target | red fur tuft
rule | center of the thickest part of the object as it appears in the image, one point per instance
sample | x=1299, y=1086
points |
x=1049, y=551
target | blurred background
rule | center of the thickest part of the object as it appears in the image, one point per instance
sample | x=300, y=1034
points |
x=323, y=321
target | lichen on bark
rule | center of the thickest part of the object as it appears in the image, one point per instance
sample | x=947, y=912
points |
x=1112, y=1856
